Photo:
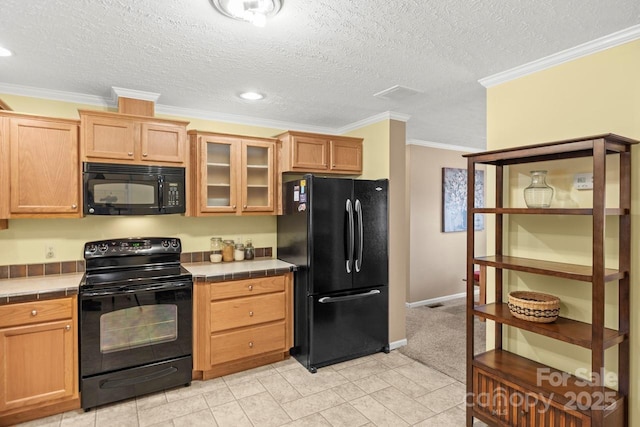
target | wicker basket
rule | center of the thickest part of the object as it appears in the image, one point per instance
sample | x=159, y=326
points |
x=534, y=306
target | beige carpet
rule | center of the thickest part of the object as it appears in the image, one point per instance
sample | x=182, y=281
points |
x=436, y=337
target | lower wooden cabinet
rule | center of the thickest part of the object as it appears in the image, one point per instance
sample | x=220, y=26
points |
x=38, y=359
x=241, y=324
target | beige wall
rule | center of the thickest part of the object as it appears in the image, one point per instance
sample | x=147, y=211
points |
x=596, y=94
x=437, y=266
x=26, y=239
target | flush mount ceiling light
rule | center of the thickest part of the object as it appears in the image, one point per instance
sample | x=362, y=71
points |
x=254, y=11
x=251, y=96
x=5, y=51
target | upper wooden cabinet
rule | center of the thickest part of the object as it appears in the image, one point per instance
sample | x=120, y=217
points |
x=123, y=138
x=39, y=167
x=310, y=152
x=231, y=174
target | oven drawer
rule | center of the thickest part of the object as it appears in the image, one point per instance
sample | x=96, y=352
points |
x=35, y=312
x=231, y=346
x=247, y=287
x=238, y=312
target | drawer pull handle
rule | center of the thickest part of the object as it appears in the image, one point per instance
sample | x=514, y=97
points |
x=130, y=153
x=34, y=312
x=68, y=327
x=250, y=344
x=250, y=287
x=251, y=314
x=144, y=154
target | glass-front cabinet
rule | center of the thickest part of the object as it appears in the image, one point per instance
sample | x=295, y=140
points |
x=232, y=174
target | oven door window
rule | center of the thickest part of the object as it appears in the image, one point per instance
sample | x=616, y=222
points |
x=138, y=327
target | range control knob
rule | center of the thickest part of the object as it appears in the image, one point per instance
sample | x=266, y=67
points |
x=92, y=249
x=174, y=243
x=165, y=243
x=103, y=247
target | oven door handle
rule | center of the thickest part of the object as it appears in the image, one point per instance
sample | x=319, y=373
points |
x=122, y=290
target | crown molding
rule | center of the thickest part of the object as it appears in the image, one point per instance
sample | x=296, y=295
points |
x=239, y=119
x=55, y=95
x=588, y=48
x=387, y=115
x=120, y=92
x=442, y=146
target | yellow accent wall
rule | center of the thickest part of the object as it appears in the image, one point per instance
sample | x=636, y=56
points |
x=596, y=94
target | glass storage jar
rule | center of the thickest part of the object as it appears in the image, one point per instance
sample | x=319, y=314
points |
x=238, y=254
x=216, y=249
x=227, y=251
x=249, y=252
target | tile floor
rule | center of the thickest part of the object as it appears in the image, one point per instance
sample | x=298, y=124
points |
x=377, y=390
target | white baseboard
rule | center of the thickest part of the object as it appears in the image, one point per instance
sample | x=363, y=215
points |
x=439, y=299
x=397, y=344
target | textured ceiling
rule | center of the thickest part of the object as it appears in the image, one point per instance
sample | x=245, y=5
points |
x=319, y=62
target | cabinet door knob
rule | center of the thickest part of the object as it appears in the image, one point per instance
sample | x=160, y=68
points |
x=73, y=206
x=144, y=154
x=233, y=207
x=68, y=327
x=250, y=287
x=244, y=207
x=130, y=153
x=251, y=314
x=250, y=344
x=34, y=312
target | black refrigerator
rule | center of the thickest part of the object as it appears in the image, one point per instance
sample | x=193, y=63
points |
x=336, y=231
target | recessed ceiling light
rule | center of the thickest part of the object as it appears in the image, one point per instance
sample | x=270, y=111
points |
x=5, y=51
x=251, y=96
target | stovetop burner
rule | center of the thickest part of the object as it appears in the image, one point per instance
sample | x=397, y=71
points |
x=132, y=262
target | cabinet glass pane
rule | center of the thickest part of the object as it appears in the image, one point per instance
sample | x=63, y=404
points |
x=257, y=176
x=218, y=174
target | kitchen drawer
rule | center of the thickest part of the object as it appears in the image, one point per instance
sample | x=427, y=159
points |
x=232, y=346
x=35, y=312
x=238, y=312
x=247, y=287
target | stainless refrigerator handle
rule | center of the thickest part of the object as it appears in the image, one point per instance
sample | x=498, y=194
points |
x=358, y=262
x=328, y=300
x=349, y=208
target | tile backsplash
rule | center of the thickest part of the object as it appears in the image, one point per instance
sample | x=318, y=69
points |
x=64, y=267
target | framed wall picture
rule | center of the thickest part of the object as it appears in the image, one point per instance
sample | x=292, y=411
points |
x=454, y=200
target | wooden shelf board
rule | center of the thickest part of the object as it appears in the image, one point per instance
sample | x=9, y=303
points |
x=548, y=211
x=258, y=186
x=571, y=148
x=257, y=166
x=583, y=273
x=542, y=379
x=563, y=329
x=219, y=185
x=221, y=165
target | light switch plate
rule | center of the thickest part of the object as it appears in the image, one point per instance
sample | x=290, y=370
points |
x=583, y=181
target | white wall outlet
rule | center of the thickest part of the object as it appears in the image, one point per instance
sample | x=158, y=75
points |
x=49, y=251
x=583, y=181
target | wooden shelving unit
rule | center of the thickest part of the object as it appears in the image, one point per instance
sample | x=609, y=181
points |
x=506, y=389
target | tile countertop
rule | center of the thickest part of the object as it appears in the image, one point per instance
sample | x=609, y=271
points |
x=57, y=286
x=218, y=272
x=39, y=287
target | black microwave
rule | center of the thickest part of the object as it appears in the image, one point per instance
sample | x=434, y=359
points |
x=116, y=189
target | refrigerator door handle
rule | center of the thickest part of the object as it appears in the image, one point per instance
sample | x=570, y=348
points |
x=349, y=208
x=358, y=262
x=329, y=300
